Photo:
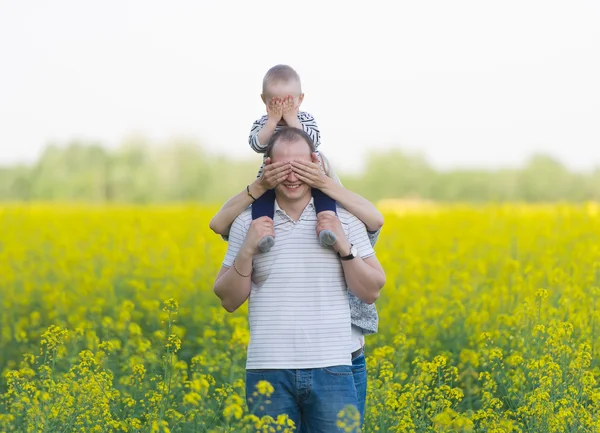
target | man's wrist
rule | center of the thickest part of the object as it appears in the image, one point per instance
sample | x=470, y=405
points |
x=342, y=247
x=245, y=254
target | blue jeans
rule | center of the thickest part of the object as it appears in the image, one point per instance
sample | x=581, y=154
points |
x=312, y=398
x=359, y=371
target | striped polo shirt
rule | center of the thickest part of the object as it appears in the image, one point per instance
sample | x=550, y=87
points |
x=298, y=309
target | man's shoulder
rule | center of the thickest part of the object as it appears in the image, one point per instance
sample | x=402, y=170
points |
x=245, y=218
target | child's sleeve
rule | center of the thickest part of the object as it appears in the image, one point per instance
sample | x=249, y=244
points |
x=309, y=125
x=256, y=145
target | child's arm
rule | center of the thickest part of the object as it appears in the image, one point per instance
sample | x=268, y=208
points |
x=355, y=204
x=221, y=222
x=311, y=173
x=309, y=125
x=263, y=128
x=301, y=120
x=272, y=175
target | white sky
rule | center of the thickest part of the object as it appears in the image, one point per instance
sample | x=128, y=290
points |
x=467, y=83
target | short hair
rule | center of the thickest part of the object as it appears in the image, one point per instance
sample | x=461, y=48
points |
x=280, y=73
x=288, y=135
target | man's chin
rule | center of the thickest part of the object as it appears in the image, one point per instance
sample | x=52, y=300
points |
x=293, y=192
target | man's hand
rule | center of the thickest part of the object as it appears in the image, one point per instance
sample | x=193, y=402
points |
x=310, y=173
x=275, y=173
x=290, y=111
x=259, y=228
x=275, y=110
x=328, y=220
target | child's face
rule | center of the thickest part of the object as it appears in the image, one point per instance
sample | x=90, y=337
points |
x=281, y=89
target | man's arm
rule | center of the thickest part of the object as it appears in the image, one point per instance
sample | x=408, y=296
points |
x=231, y=286
x=364, y=275
x=233, y=283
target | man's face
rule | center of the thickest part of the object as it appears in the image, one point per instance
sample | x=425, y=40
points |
x=292, y=189
x=281, y=89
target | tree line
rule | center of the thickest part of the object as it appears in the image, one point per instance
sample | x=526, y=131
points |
x=183, y=170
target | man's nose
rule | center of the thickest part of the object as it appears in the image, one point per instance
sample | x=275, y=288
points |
x=292, y=177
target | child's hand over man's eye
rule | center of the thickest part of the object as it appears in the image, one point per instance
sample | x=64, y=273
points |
x=310, y=173
x=274, y=173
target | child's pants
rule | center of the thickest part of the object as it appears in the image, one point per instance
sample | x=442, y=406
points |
x=265, y=204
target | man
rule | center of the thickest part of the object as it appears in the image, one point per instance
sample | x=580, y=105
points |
x=298, y=307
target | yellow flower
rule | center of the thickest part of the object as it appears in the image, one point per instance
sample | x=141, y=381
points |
x=171, y=306
x=263, y=387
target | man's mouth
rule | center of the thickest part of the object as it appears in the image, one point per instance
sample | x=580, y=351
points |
x=293, y=186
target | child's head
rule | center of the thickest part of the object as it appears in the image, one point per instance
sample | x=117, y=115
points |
x=281, y=81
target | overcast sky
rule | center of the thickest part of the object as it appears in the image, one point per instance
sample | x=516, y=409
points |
x=467, y=83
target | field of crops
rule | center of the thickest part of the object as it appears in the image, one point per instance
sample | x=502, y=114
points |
x=488, y=322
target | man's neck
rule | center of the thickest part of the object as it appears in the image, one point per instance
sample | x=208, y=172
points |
x=293, y=209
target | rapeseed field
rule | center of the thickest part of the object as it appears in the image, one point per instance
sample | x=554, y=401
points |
x=489, y=322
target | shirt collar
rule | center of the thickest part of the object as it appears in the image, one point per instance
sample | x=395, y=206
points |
x=278, y=209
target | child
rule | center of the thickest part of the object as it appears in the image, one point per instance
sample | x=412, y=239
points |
x=282, y=95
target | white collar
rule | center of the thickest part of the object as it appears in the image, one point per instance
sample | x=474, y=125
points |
x=278, y=208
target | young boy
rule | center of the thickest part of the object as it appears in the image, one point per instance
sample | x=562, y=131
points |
x=282, y=95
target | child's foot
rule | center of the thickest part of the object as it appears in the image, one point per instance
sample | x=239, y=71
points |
x=327, y=238
x=265, y=244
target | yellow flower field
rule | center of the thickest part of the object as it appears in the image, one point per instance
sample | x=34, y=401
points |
x=488, y=322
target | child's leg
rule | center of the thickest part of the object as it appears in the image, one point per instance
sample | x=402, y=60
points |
x=265, y=206
x=324, y=203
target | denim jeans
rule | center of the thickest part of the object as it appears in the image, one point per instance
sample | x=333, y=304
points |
x=359, y=371
x=312, y=398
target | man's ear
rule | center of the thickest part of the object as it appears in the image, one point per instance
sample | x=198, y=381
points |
x=264, y=98
x=300, y=99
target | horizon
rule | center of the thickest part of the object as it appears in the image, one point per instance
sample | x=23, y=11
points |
x=158, y=149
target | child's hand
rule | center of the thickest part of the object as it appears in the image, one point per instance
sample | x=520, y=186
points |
x=274, y=174
x=275, y=110
x=290, y=110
